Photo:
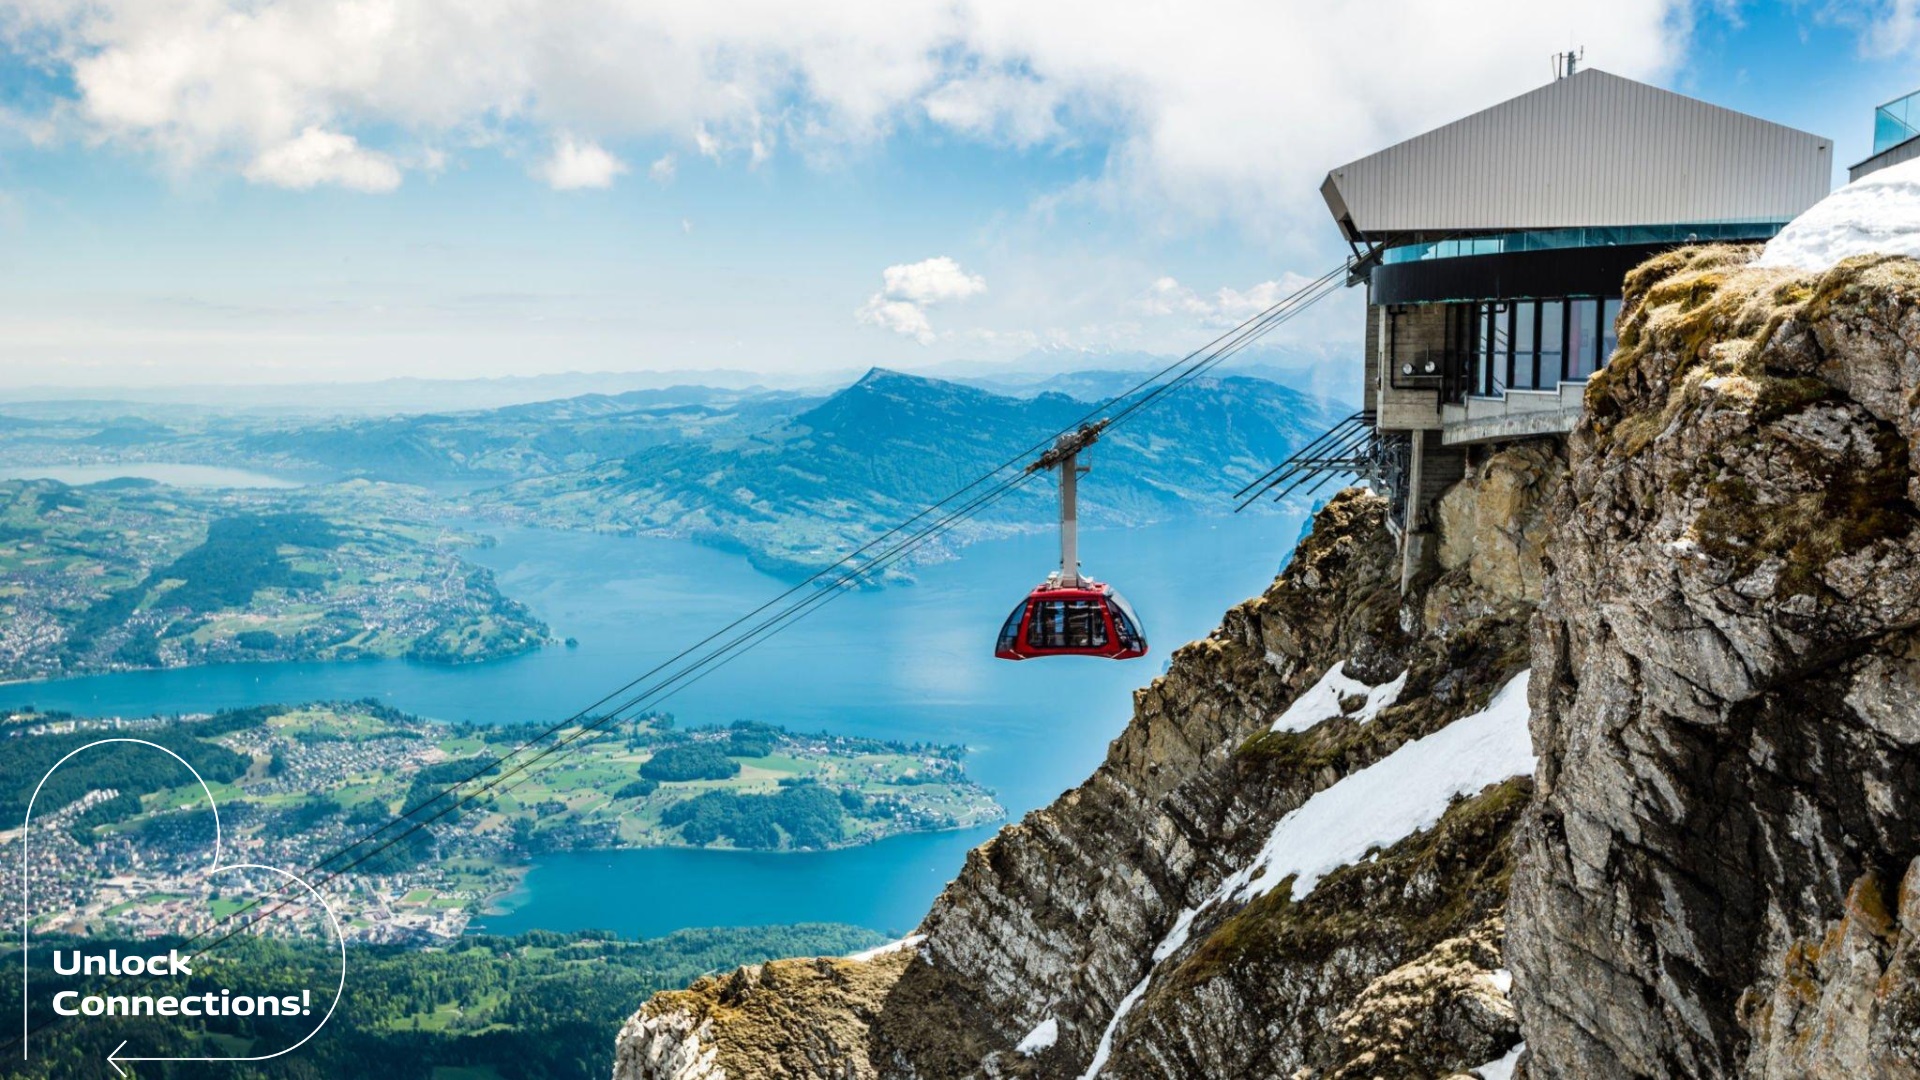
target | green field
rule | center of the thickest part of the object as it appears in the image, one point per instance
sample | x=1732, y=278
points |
x=306, y=782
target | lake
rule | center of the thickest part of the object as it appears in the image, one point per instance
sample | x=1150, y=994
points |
x=189, y=476
x=908, y=662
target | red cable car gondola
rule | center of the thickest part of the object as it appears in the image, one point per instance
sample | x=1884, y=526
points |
x=1070, y=614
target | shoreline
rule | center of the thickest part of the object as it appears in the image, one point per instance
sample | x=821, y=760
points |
x=521, y=872
x=369, y=658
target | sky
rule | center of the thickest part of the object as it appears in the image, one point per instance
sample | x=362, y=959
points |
x=292, y=191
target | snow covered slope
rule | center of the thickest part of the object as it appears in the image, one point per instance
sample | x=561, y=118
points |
x=1876, y=214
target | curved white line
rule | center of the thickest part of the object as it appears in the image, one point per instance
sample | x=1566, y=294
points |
x=26, y=831
x=338, y=992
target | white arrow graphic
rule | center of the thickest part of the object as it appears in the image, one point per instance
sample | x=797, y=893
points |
x=114, y=1057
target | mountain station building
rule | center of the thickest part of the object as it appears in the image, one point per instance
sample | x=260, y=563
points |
x=1493, y=249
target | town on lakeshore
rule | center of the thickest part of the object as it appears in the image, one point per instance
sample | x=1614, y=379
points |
x=122, y=845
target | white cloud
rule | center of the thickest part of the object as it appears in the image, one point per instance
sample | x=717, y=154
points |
x=662, y=170
x=577, y=164
x=704, y=142
x=1885, y=28
x=909, y=289
x=1227, y=307
x=932, y=281
x=1167, y=296
x=1020, y=110
x=316, y=157
x=899, y=316
x=1224, y=108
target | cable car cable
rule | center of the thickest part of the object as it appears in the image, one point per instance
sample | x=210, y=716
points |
x=1207, y=356
x=245, y=918
x=1234, y=341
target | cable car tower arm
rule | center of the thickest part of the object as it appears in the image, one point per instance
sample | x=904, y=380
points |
x=1064, y=455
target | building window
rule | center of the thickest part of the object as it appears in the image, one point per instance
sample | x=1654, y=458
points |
x=1583, y=338
x=1553, y=321
x=1525, y=316
x=1892, y=125
x=1896, y=122
x=1539, y=344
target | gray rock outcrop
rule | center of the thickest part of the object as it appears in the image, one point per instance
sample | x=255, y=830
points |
x=1100, y=919
x=1717, y=878
x=1714, y=871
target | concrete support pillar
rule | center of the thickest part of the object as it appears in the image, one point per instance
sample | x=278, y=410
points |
x=1410, y=541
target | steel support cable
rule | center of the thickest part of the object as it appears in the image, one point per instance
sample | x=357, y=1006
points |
x=1208, y=356
x=1225, y=346
x=1234, y=341
x=1244, y=334
x=1298, y=470
x=247, y=916
x=1332, y=433
x=844, y=560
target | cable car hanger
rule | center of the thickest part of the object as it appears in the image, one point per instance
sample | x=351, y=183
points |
x=1070, y=614
x=561, y=739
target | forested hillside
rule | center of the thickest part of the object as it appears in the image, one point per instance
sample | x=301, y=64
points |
x=803, y=490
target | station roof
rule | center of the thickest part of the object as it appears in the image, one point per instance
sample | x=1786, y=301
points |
x=1591, y=149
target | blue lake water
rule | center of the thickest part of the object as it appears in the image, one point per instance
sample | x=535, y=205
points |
x=190, y=476
x=911, y=663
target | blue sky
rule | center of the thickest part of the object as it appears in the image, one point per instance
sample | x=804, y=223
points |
x=309, y=190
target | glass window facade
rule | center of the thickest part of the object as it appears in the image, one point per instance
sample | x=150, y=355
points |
x=1609, y=328
x=1553, y=343
x=1896, y=122
x=1598, y=236
x=1539, y=344
x=1583, y=338
x=1526, y=320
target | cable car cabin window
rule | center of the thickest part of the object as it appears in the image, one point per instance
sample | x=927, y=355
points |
x=1067, y=624
x=1010, y=630
x=1126, y=625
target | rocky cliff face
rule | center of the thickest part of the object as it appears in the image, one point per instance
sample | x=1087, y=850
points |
x=1713, y=872
x=1133, y=923
x=1718, y=877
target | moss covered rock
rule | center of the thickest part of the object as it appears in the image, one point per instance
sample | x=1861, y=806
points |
x=1724, y=692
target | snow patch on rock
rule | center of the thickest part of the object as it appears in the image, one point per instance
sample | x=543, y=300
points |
x=1376, y=807
x=1044, y=1035
x=909, y=942
x=1503, y=1068
x=1395, y=797
x=1321, y=701
x=1105, y=1048
x=1878, y=213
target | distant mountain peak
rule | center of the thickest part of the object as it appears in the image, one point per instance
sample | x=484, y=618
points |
x=878, y=375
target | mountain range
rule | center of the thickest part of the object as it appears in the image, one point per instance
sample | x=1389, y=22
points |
x=793, y=479
x=833, y=475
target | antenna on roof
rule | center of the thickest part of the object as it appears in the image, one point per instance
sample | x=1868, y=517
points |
x=1566, y=63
